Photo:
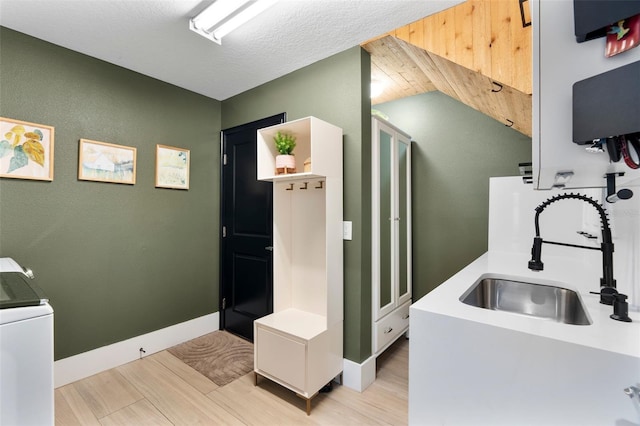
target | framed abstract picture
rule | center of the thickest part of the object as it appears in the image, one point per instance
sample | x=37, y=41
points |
x=172, y=167
x=107, y=162
x=622, y=36
x=26, y=150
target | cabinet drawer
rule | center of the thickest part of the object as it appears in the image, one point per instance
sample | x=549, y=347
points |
x=281, y=357
x=390, y=327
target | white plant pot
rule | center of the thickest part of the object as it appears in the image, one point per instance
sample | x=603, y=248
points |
x=285, y=164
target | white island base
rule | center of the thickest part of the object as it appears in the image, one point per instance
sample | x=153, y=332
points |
x=474, y=366
x=469, y=373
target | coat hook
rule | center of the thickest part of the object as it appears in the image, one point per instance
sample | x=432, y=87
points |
x=290, y=188
x=305, y=185
x=320, y=184
x=510, y=123
x=498, y=85
x=522, y=14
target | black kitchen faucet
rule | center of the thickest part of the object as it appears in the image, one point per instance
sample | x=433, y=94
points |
x=608, y=293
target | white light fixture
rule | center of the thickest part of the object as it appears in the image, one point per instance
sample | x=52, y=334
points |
x=224, y=16
x=377, y=87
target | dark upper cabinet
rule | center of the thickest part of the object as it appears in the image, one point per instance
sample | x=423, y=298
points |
x=592, y=17
x=607, y=104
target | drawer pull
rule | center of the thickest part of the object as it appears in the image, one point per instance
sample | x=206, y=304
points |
x=405, y=317
x=388, y=330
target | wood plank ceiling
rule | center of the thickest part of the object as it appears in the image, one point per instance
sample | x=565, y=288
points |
x=478, y=52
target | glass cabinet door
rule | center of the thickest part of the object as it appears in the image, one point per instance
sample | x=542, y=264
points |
x=385, y=220
x=403, y=222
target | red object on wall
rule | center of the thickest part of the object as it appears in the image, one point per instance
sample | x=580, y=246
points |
x=622, y=36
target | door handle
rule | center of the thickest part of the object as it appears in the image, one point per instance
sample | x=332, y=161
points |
x=270, y=248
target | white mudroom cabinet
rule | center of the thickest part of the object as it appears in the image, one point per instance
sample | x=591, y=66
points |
x=300, y=345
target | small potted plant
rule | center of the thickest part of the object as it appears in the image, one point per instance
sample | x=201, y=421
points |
x=286, y=161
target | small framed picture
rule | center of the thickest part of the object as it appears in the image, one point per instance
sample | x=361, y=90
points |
x=26, y=150
x=172, y=167
x=107, y=162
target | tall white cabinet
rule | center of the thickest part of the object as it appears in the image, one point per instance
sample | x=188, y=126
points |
x=391, y=233
x=300, y=344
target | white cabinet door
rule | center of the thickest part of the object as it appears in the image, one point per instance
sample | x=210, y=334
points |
x=402, y=238
x=382, y=220
x=285, y=358
x=391, y=218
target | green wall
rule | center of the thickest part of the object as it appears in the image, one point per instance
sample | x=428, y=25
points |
x=334, y=90
x=119, y=260
x=124, y=260
x=455, y=151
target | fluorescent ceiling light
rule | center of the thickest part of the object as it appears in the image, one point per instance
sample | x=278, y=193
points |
x=216, y=12
x=224, y=16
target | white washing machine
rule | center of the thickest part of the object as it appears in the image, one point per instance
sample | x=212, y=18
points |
x=26, y=350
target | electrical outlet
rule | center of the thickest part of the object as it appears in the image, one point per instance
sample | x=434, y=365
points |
x=347, y=230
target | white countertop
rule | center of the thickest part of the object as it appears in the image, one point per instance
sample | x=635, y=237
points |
x=604, y=333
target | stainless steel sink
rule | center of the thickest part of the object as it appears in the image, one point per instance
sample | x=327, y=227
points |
x=525, y=298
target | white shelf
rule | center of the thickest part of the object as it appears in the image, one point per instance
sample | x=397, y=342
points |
x=315, y=139
x=296, y=323
x=294, y=177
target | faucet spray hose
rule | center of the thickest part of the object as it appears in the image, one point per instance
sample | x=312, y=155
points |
x=603, y=214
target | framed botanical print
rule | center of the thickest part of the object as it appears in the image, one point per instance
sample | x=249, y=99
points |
x=26, y=150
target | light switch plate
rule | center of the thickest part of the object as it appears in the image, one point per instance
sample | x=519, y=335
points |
x=347, y=229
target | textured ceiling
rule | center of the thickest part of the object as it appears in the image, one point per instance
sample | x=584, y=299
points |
x=152, y=36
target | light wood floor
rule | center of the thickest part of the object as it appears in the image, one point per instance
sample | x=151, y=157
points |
x=162, y=390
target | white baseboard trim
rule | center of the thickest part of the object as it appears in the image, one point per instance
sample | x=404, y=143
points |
x=87, y=364
x=359, y=376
